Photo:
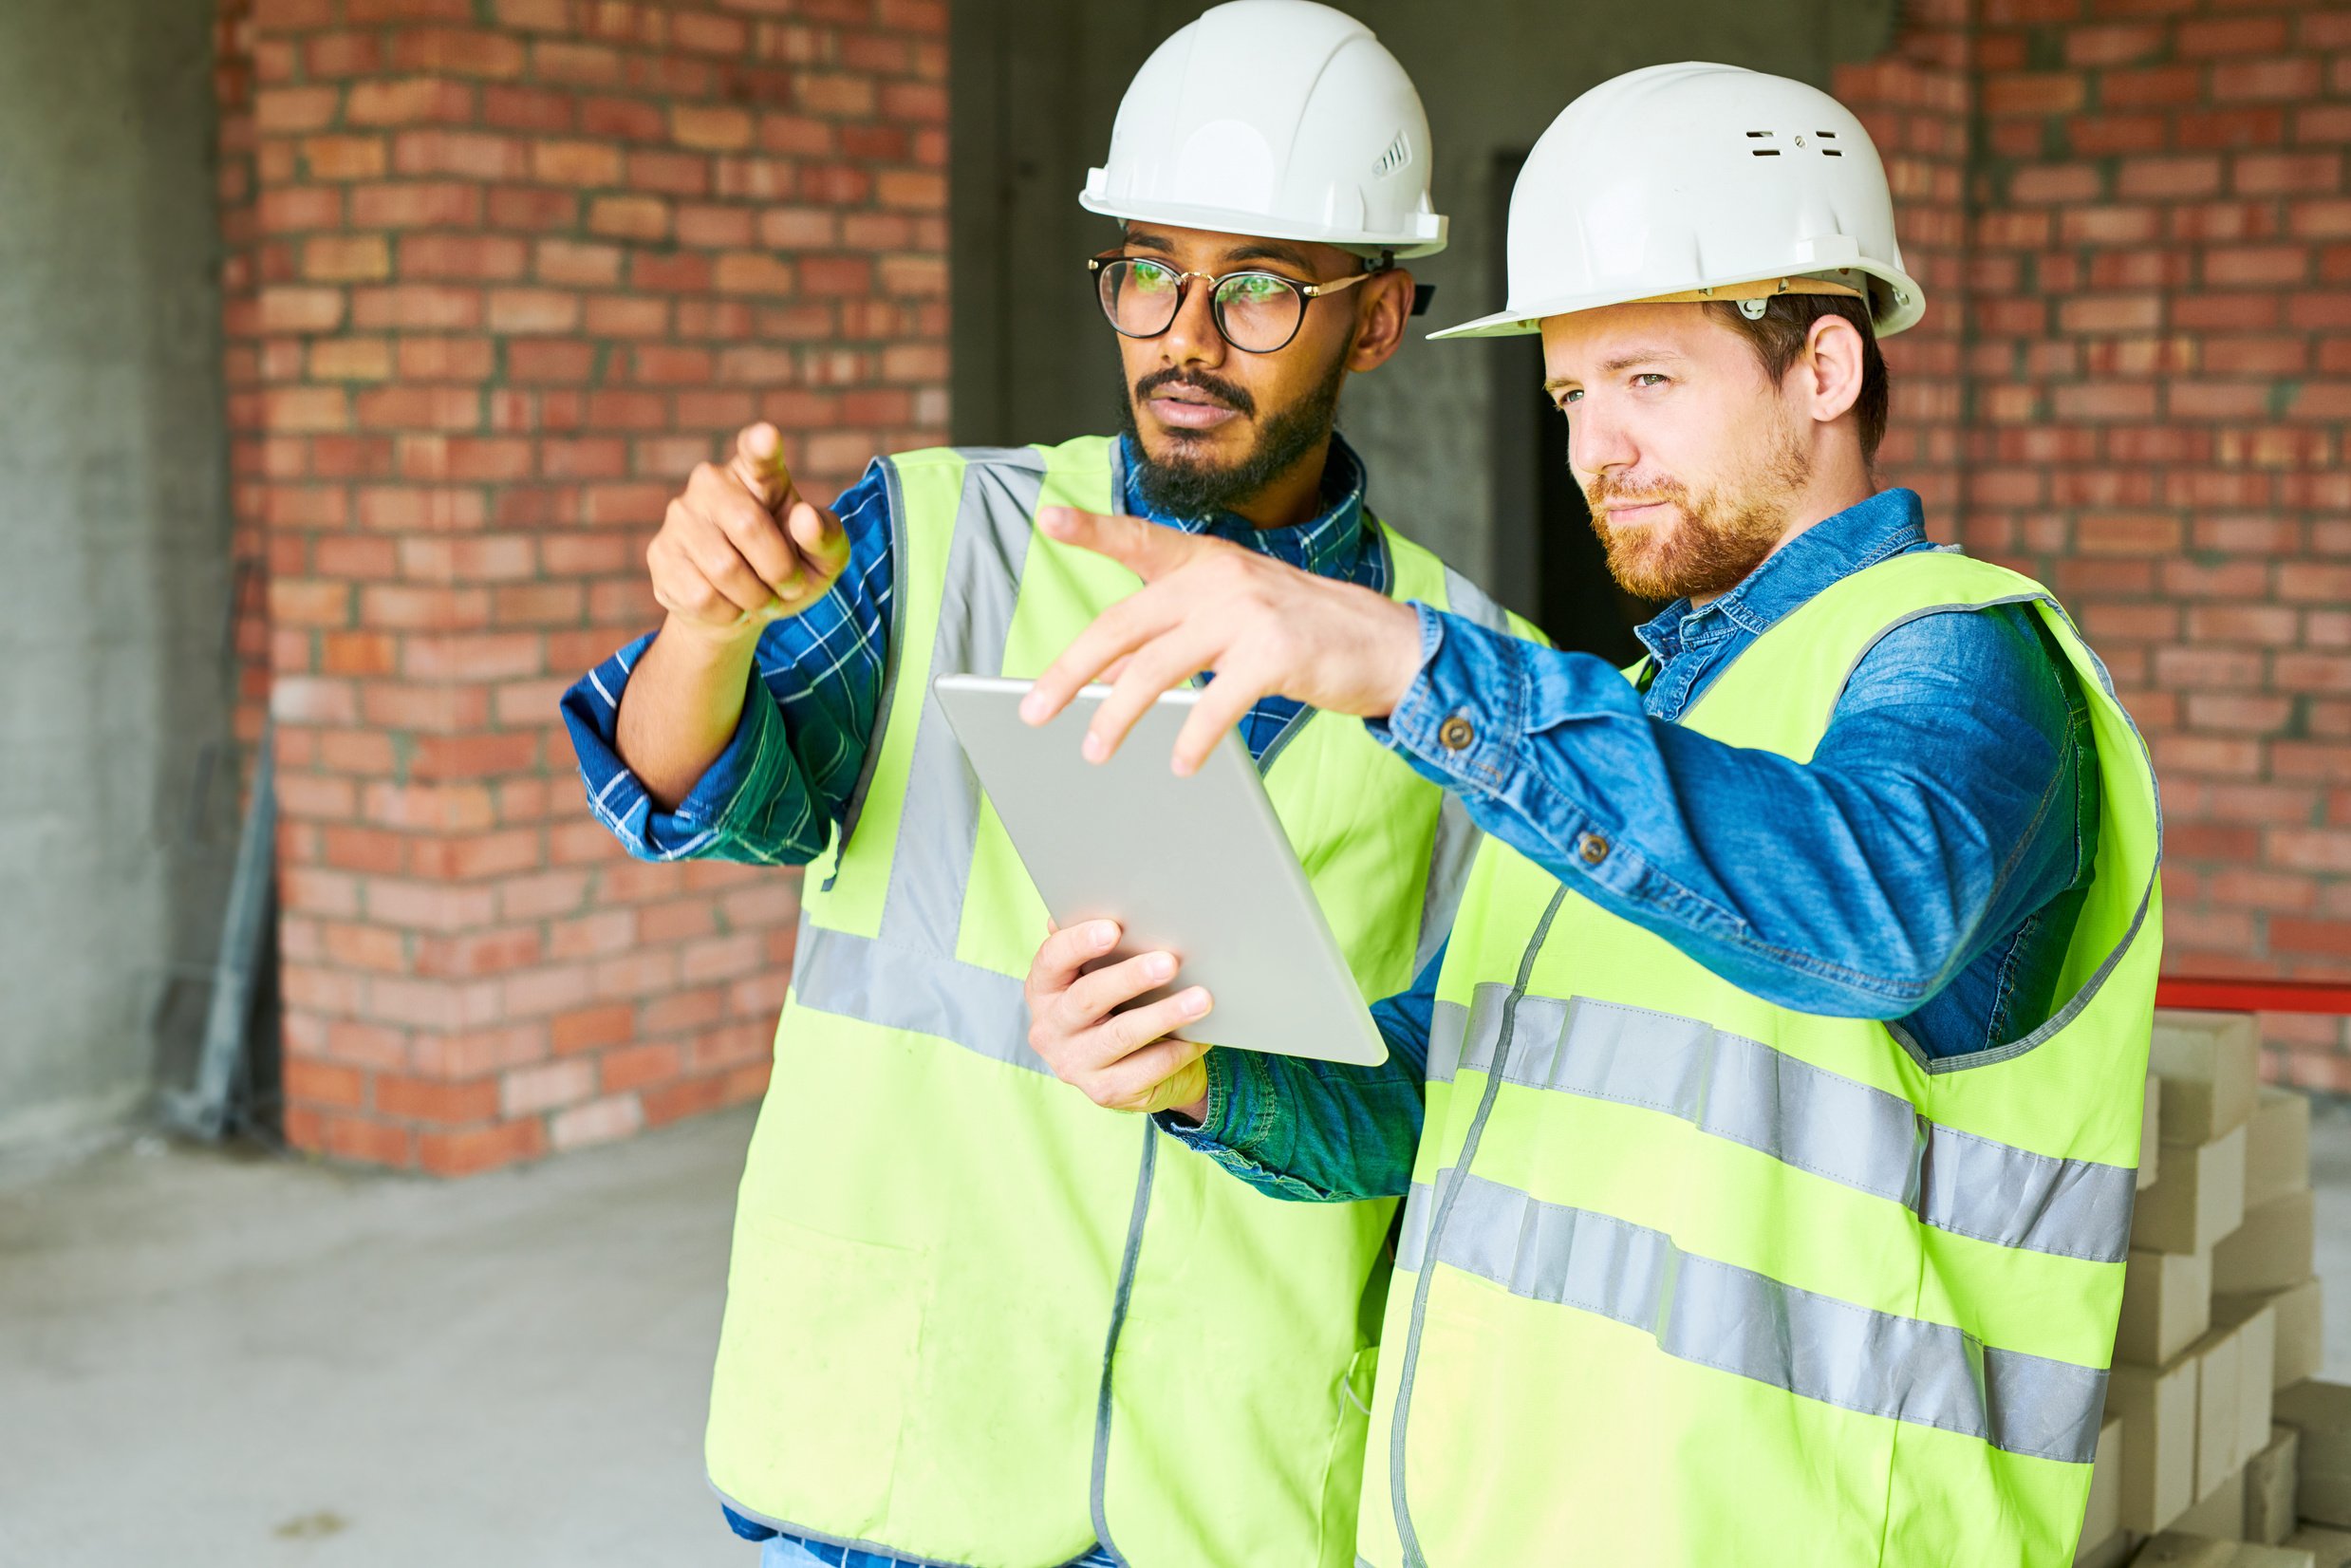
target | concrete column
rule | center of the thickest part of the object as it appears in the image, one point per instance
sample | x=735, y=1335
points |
x=114, y=551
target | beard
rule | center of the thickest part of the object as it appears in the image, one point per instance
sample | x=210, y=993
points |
x=1186, y=482
x=1723, y=533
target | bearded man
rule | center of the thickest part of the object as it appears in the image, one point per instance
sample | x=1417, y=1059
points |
x=961, y=1300
x=1784, y=1069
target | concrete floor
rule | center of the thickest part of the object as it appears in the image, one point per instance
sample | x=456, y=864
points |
x=221, y=1359
x=211, y=1359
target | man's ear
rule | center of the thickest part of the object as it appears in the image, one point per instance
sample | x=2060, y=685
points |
x=1833, y=352
x=1381, y=316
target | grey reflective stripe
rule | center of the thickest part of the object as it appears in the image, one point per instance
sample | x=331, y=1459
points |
x=1466, y=599
x=1456, y=845
x=1098, y=1485
x=1451, y=853
x=1748, y=1324
x=938, y=823
x=1850, y=1132
x=898, y=988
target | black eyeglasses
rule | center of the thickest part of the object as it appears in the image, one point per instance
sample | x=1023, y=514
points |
x=1257, y=312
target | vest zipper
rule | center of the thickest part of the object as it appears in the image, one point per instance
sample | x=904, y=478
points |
x=1442, y=1197
x=1099, y=1481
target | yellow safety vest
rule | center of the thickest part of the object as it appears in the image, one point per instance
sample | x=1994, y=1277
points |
x=1686, y=1277
x=971, y=1319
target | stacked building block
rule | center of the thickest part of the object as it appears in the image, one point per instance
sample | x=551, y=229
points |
x=2217, y=1450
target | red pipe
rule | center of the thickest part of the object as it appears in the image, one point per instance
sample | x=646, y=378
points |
x=2254, y=995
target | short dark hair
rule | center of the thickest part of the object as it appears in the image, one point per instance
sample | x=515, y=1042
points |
x=1779, y=335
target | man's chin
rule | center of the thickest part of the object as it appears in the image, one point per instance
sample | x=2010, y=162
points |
x=1175, y=443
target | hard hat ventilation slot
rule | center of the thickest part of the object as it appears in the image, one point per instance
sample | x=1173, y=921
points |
x=1829, y=152
x=1399, y=153
x=1762, y=152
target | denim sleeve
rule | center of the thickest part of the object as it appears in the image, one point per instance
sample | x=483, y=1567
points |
x=1318, y=1131
x=815, y=692
x=1856, y=884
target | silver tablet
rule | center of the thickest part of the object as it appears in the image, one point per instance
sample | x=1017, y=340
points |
x=1197, y=866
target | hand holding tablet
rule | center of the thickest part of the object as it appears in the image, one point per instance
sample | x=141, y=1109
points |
x=1197, y=866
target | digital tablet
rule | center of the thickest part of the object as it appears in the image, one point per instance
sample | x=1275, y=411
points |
x=1195, y=866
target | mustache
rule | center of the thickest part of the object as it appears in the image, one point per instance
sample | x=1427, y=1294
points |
x=1212, y=386
x=1608, y=492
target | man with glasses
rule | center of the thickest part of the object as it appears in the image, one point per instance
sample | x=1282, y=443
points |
x=959, y=1299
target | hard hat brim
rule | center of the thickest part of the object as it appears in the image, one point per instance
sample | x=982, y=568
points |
x=1908, y=305
x=1229, y=220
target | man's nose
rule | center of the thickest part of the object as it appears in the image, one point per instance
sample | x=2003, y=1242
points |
x=1598, y=445
x=1193, y=338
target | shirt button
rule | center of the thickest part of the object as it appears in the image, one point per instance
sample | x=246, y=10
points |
x=1456, y=734
x=1592, y=847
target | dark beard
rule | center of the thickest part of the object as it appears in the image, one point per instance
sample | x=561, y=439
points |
x=1184, y=487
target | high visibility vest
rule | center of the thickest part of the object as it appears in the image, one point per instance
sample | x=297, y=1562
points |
x=972, y=1318
x=1686, y=1278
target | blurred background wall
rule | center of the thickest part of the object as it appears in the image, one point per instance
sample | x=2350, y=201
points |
x=398, y=338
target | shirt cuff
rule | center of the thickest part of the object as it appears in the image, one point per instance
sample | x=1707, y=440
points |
x=1239, y=1103
x=1463, y=717
x=710, y=810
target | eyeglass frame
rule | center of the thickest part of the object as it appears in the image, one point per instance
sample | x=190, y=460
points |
x=1307, y=293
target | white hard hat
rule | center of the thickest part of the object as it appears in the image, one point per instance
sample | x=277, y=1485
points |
x=1694, y=183
x=1281, y=118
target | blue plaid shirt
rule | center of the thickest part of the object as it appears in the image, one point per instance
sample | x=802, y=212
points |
x=772, y=796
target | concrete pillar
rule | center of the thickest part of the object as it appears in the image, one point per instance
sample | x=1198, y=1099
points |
x=112, y=528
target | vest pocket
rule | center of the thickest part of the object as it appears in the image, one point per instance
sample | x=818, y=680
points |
x=816, y=1360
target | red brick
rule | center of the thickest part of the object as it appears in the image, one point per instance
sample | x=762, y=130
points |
x=469, y=1152
x=408, y=101
x=460, y=52
x=2231, y=36
x=2275, y=80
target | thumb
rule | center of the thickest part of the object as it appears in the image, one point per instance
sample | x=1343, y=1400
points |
x=759, y=463
x=1145, y=548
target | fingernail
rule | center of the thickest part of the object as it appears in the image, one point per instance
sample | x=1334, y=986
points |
x=1032, y=709
x=1195, y=1002
x=1102, y=933
x=1053, y=520
x=1160, y=965
x=1093, y=749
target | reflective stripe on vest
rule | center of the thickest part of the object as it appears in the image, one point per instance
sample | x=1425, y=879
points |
x=1749, y=1324
x=1743, y=1091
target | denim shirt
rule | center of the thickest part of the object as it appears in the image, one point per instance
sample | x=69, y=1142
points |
x=1926, y=868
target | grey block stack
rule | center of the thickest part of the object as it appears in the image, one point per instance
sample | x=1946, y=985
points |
x=2220, y=1311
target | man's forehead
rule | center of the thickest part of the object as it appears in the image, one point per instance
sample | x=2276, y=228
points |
x=1616, y=337
x=1216, y=246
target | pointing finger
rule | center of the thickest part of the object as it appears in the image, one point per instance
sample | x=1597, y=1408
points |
x=1148, y=549
x=759, y=463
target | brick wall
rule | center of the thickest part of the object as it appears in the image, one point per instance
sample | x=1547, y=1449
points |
x=2158, y=372
x=1917, y=104
x=501, y=273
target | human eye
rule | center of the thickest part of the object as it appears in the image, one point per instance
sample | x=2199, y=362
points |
x=1149, y=278
x=1650, y=379
x=1255, y=288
